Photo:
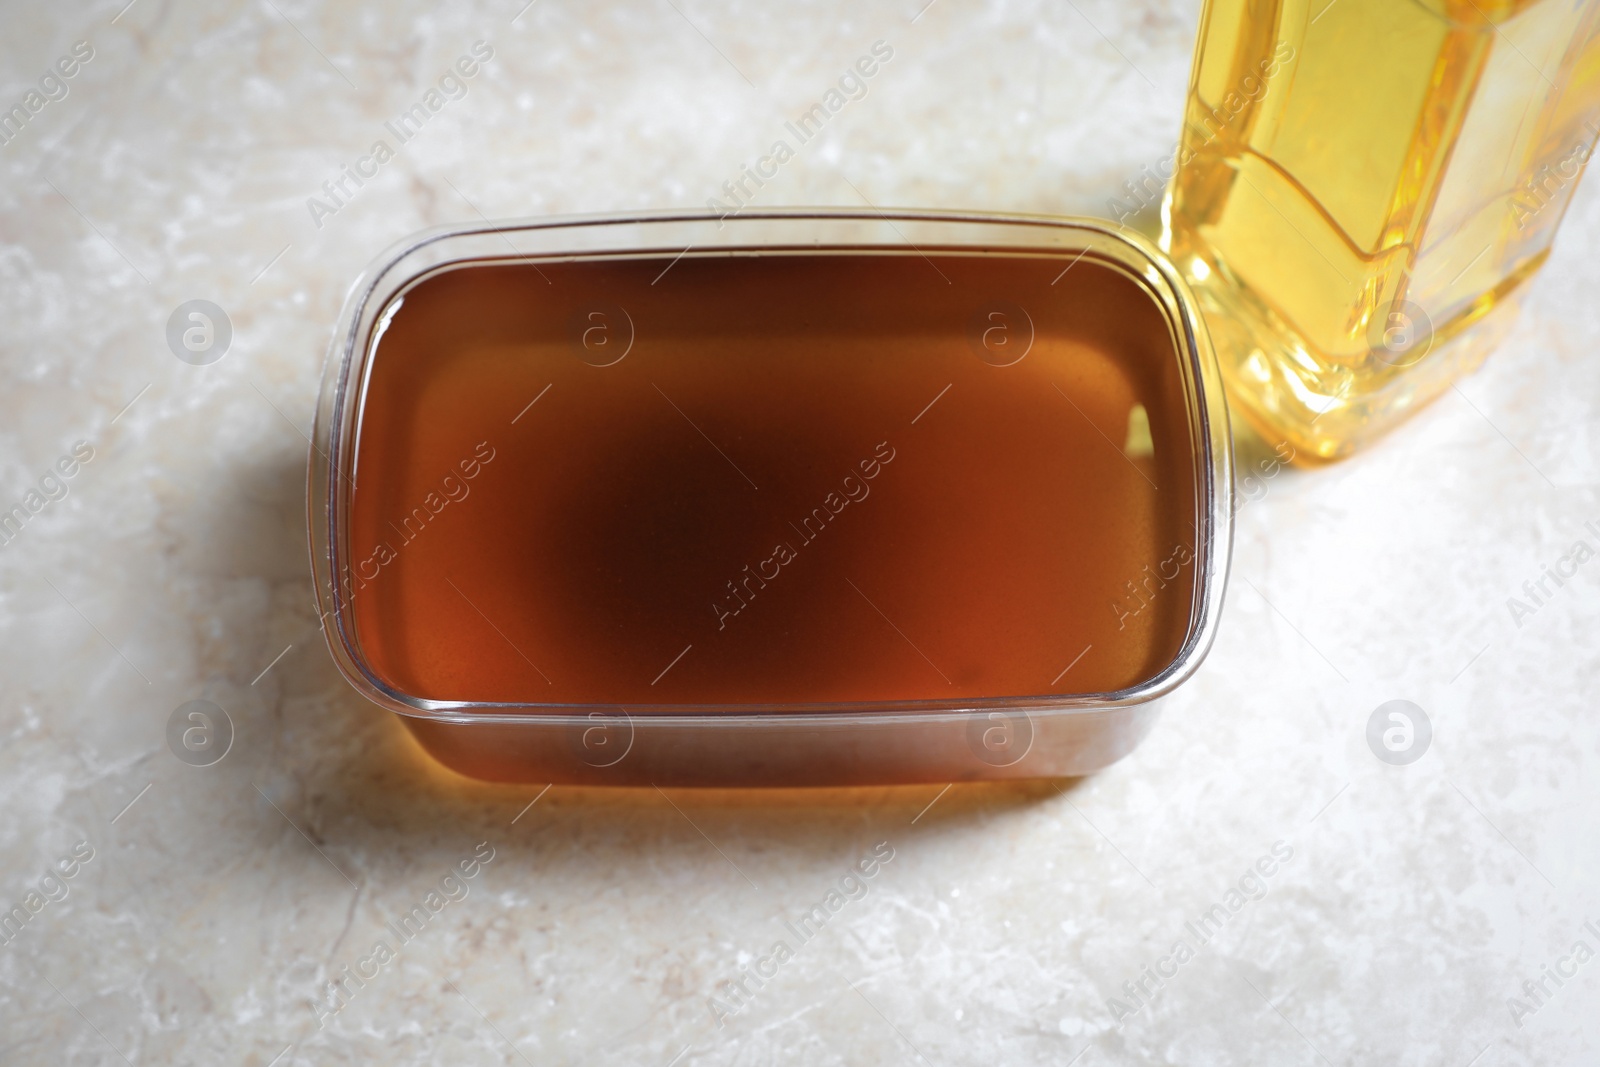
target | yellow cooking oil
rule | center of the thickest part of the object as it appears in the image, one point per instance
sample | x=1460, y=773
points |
x=1363, y=187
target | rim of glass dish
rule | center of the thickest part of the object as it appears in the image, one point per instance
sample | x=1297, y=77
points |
x=1139, y=259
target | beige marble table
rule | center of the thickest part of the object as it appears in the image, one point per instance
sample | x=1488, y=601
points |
x=209, y=907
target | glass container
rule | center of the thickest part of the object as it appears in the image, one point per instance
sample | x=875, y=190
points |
x=785, y=498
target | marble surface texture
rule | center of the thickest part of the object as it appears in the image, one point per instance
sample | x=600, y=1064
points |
x=216, y=903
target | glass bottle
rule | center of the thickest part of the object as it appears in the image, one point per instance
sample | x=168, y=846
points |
x=1362, y=188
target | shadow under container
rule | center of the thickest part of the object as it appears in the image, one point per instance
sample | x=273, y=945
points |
x=792, y=498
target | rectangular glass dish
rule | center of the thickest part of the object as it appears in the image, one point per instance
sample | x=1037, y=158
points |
x=787, y=498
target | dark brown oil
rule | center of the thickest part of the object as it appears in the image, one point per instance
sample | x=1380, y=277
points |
x=773, y=479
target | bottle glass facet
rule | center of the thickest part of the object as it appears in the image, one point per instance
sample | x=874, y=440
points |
x=1361, y=188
